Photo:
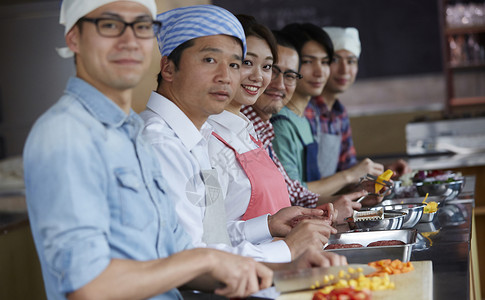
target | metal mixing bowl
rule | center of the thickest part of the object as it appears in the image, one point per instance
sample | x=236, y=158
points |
x=429, y=217
x=396, y=186
x=390, y=222
x=413, y=200
x=414, y=212
x=447, y=190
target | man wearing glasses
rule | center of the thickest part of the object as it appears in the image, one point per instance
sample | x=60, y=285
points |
x=102, y=223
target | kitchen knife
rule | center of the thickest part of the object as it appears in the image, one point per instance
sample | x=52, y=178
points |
x=304, y=279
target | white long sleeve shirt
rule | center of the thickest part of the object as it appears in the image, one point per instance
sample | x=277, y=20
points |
x=182, y=151
x=236, y=131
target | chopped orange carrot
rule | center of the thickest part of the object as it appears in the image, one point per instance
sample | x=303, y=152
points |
x=386, y=266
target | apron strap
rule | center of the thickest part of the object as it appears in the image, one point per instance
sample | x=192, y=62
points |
x=257, y=142
x=224, y=141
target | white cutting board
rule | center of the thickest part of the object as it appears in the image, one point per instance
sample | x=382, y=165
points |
x=416, y=285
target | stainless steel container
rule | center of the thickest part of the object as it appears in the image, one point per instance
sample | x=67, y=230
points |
x=414, y=212
x=429, y=217
x=368, y=254
x=390, y=222
x=447, y=190
x=437, y=199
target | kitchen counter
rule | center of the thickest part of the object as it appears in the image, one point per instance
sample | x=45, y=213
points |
x=446, y=242
x=447, y=161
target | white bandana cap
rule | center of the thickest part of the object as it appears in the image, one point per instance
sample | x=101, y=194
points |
x=187, y=23
x=344, y=39
x=73, y=10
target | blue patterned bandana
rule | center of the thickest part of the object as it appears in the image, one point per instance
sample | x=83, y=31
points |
x=187, y=23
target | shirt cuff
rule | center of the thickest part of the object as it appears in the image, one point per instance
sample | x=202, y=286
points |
x=81, y=263
x=256, y=230
x=276, y=252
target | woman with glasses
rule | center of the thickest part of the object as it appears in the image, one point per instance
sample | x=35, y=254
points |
x=252, y=186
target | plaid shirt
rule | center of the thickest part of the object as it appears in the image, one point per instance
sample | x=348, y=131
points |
x=336, y=121
x=299, y=195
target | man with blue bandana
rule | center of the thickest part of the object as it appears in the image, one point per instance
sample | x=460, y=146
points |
x=202, y=49
x=102, y=222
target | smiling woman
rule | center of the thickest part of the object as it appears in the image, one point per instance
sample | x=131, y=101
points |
x=235, y=149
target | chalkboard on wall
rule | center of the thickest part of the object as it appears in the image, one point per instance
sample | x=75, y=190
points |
x=399, y=37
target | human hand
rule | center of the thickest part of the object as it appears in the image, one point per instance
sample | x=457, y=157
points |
x=280, y=223
x=308, y=233
x=314, y=257
x=366, y=166
x=345, y=205
x=241, y=276
x=329, y=211
x=399, y=167
x=371, y=199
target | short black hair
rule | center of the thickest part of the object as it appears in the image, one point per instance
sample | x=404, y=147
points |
x=284, y=39
x=175, y=57
x=301, y=33
x=253, y=28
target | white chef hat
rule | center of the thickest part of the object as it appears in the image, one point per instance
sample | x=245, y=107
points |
x=73, y=10
x=187, y=23
x=345, y=39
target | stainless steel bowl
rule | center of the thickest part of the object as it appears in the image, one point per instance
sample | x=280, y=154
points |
x=396, y=186
x=414, y=212
x=390, y=222
x=413, y=200
x=447, y=190
x=429, y=217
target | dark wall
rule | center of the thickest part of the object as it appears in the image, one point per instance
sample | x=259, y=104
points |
x=32, y=75
x=398, y=37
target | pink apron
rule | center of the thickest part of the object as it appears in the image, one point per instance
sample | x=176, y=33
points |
x=269, y=193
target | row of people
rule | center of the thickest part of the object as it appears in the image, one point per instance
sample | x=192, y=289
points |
x=128, y=207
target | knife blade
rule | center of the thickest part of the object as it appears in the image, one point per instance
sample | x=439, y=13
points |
x=304, y=279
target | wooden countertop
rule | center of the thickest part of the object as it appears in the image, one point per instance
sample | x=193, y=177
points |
x=416, y=285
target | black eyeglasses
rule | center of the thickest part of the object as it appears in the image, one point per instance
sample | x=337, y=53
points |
x=143, y=29
x=289, y=77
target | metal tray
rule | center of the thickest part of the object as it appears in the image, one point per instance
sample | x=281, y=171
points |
x=367, y=254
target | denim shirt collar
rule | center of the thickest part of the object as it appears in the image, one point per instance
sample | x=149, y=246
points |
x=100, y=106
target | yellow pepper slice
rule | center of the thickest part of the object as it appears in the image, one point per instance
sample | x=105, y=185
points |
x=379, y=181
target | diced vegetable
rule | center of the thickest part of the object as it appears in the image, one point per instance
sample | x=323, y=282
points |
x=347, y=293
x=430, y=207
x=387, y=267
x=352, y=288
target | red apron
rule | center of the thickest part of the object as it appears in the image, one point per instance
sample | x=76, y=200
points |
x=269, y=193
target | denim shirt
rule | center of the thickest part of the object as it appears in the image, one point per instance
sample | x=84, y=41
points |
x=95, y=191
